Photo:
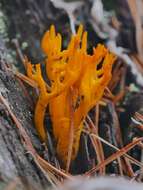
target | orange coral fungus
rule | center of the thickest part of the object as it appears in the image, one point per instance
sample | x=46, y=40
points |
x=77, y=84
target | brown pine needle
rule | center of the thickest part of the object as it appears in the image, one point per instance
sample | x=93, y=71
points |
x=114, y=156
x=28, y=144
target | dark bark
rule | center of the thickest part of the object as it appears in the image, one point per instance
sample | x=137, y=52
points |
x=27, y=21
x=14, y=160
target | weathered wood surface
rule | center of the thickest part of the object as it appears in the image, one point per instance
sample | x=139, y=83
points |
x=14, y=159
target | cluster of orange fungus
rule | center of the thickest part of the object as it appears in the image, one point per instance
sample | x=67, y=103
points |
x=77, y=83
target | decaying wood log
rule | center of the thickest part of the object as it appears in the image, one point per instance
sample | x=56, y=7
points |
x=14, y=159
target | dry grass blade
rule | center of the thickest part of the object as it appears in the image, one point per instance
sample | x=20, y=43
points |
x=19, y=52
x=133, y=160
x=118, y=140
x=28, y=145
x=120, y=166
x=97, y=144
x=24, y=78
x=114, y=156
x=48, y=166
x=116, y=76
x=138, y=119
x=108, y=93
x=97, y=116
x=139, y=116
